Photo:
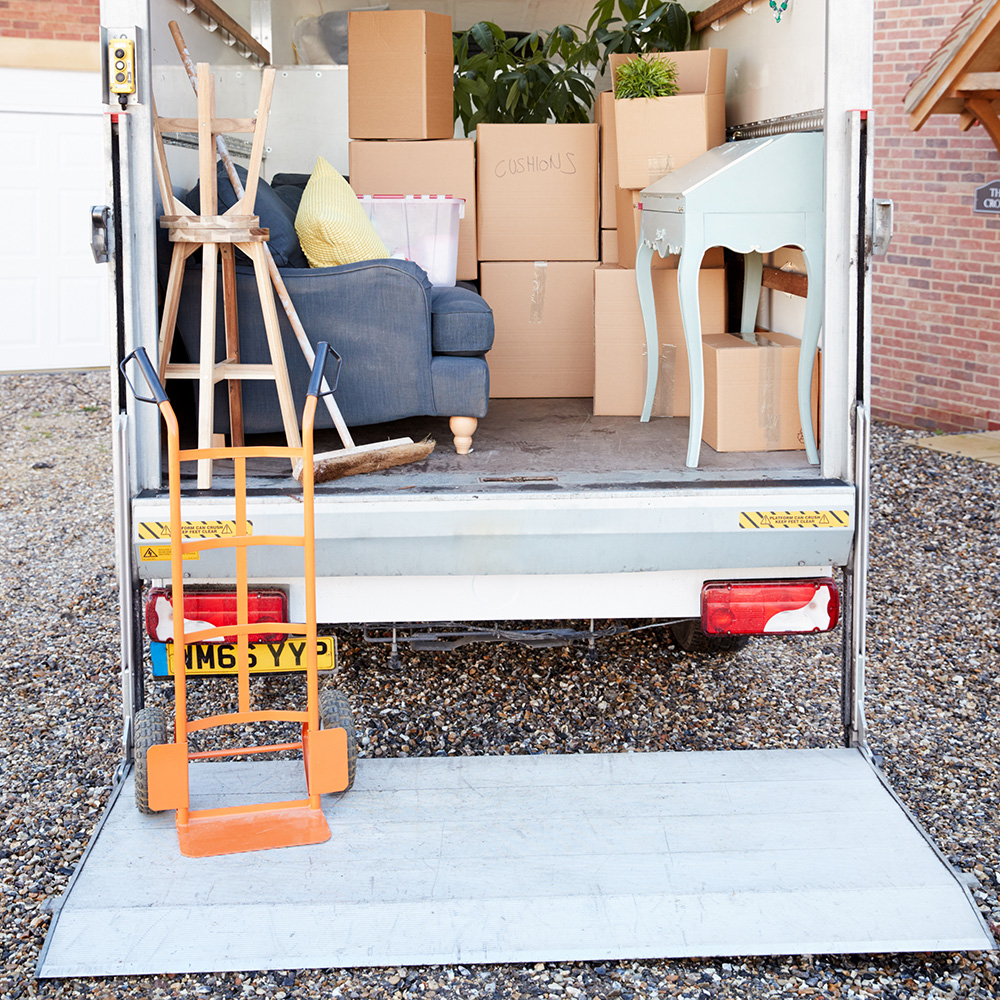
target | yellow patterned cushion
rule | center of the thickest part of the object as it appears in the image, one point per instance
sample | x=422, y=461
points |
x=332, y=226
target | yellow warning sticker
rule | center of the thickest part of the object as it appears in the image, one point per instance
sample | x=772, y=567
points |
x=159, y=531
x=795, y=519
x=161, y=553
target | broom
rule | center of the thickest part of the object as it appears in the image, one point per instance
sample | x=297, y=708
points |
x=352, y=459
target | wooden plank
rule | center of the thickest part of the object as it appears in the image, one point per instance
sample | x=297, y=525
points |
x=223, y=370
x=987, y=116
x=217, y=14
x=723, y=8
x=229, y=234
x=785, y=281
x=577, y=857
x=208, y=222
x=225, y=126
x=981, y=84
x=232, y=326
x=257, y=150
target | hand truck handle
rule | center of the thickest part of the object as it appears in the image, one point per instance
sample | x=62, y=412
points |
x=149, y=373
x=316, y=386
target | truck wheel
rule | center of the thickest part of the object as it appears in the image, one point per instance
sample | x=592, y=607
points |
x=689, y=637
x=335, y=713
x=150, y=730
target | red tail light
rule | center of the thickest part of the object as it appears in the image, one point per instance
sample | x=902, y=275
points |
x=216, y=608
x=775, y=607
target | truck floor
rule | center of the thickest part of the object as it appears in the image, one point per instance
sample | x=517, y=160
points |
x=547, y=444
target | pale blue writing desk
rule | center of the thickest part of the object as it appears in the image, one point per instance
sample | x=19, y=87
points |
x=752, y=196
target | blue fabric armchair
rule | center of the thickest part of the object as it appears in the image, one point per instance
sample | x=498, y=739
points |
x=408, y=348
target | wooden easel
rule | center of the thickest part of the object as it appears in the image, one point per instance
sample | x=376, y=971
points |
x=219, y=234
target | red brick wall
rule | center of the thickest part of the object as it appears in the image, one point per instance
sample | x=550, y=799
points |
x=936, y=315
x=64, y=20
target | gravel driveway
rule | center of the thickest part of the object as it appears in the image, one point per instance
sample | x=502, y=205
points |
x=932, y=701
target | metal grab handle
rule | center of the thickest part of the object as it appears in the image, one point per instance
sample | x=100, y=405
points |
x=323, y=353
x=149, y=373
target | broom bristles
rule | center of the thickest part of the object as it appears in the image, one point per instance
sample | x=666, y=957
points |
x=354, y=462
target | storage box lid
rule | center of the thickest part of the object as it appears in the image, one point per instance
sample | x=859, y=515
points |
x=436, y=200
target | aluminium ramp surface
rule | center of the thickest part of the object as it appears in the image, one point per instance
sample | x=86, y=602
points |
x=524, y=859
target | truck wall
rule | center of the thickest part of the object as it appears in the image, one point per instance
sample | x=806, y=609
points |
x=772, y=65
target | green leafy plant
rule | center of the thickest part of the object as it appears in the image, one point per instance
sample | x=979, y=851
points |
x=646, y=76
x=522, y=79
x=638, y=26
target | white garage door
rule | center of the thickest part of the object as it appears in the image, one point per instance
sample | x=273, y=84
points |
x=53, y=297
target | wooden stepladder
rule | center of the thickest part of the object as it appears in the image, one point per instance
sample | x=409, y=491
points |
x=237, y=229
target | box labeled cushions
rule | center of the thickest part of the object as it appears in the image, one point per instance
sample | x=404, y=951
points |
x=538, y=195
x=400, y=75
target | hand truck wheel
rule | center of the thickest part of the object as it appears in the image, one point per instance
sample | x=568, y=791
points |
x=150, y=730
x=335, y=713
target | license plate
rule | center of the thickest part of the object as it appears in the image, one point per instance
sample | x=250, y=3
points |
x=205, y=658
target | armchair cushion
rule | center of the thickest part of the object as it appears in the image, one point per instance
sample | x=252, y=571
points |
x=274, y=214
x=461, y=322
x=332, y=226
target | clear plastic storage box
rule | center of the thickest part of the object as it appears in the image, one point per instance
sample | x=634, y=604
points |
x=419, y=227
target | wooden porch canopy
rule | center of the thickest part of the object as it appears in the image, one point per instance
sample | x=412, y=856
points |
x=963, y=77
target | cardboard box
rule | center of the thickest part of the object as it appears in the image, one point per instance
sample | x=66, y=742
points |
x=751, y=393
x=604, y=115
x=537, y=192
x=400, y=75
x=438, y=166
x=609, y=246
x=543, y=313
x=628, y=236
x=620, y=341
x=657, y=135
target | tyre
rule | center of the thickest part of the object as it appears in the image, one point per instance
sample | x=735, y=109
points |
x=689, y=637
x=150, y=730
x=335, y=713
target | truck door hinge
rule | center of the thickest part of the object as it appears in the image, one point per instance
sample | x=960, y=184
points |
x=881, y=226
x=100, y=233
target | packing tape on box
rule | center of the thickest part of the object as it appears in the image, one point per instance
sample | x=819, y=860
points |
x=536, y=311
x=769, y=392
x=659, y=166
x=663, y=398
x=666, y=379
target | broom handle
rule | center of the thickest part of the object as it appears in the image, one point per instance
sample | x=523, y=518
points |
x=272, y=268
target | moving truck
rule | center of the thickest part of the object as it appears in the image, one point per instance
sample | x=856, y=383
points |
x=566, y=546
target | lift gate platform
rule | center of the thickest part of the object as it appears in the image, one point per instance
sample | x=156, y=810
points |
x=524, y=859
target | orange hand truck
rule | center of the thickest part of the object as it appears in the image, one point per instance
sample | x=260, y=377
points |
x=328, y=744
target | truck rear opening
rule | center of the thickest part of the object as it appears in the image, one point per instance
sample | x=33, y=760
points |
x=560, y=514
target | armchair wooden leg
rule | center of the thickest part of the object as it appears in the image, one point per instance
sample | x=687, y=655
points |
x=463, y=428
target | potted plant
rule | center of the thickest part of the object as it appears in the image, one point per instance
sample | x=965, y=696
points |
x=625, y=26
x=646, y=77
x=522, y=79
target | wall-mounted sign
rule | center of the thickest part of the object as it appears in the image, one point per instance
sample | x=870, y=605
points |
x=988, y=198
